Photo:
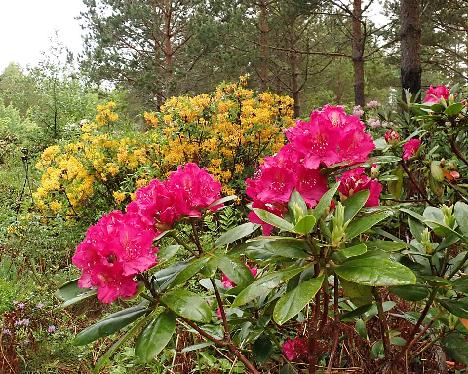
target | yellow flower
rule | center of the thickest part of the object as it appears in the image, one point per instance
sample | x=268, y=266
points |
x=119, y=196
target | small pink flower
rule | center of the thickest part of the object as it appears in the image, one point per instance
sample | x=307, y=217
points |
x=392, y=136
x=294, y=348
x=410, y=148
x=51, y=329
x=357, y=111
x=373, y=104
x=356, y=180
x=433, y=95
x=374, y=123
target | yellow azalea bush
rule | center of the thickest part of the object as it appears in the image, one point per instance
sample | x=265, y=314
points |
x=227, y=132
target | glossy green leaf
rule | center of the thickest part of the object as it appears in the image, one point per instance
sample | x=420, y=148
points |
x=77, y=299
x=416, y=228
x=70, y=290
x=453, y=109
x=325, y=201
x=235, y=270
x=156, y=335
x=457, y=307
x=264, y=285
x=291, y=303
x=353, y=251
x=349, y=316
x=355, y=203
x=188, y=272
x=305, y=225
x=262, y=348
x=456, y=345
x=375, y=272
x=386, y=245
x=109, y=325
x=461, y=284
x=274, y=220
x=167, y=252
x=361, y=328
x=277, y=246
x=236, y=233
x=460, y=212
x=413, y=292
x=359, y=294
x=223, y=200
x=360, y=225
x=188, y=305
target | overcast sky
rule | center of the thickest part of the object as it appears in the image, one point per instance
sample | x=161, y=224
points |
x=26, y=27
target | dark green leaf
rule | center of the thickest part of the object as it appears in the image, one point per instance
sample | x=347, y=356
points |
x=154, y=338
x=361, y=328
x=355, y=203
x=375, y=272
x=363, y=224
x=461, y=284
x=291, y=303
x=279, y=246
x=297, y=206
x=460, y=212
x=235, y=270
x=274, y=220
x=325, y=201
x=109, y=325
x=453, y=109
x=70, y=290
x=305, y=225
x=188, y=305
x=413, y=292
x=457, y=307
x=348, y=316
x=456, y=345
x=167, y=252
x=386, y=245
x=262, y=348
x=359, y=294
x=353, y=251
x=236, y=233
x=416, y=228
x=188, y=272
x=262, y=286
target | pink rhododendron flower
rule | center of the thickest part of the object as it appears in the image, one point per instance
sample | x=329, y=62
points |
x=311, y=185
x=294, y=348
x=433, y=95
x=410, y=148
x=115, y=249
x=392, y=136
x=228, y=283
x=356, y=180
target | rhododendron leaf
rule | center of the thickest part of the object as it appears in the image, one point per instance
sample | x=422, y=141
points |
x=188, y=305
x=325, y=201
x=457, y=307
x=383, y=160
x=274, y=220
x=358, y=226
x=70, y=290
x=109, y=325
x=416, y=228
x=353, y=251
x=297, y=206
x=264, y=249
x=355, y=203
x=359, y=311
x=305, y=225
x=375, y=272
x=386, y=245
x=415, y=215
x=77, y=299
x=188, y=272
x=361, y=328
x=460, y=212
x=104, y=359
x=413, y=292
x=262, y=348
x=154, y=338
x=292, y=302
x=262, y=286
x=453, y=109
x=223, y=200
x=442, y=229
x=457, y=347
x=163, y=278
x=359, y=294
x=167, y=252
x=236, y=233
x=235, y=270
x=461, y=284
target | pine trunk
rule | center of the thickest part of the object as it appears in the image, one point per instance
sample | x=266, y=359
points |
x=264, y=52
x=358, y=54
x=410, y=34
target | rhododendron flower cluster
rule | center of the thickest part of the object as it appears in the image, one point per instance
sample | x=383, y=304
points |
x=187, y=192
x=116, y=248
x=410, y=148
x=356, y=180
x=120, y=245
x=434, y=94
x=228, y=283
x=294, y=348
x=328, y=138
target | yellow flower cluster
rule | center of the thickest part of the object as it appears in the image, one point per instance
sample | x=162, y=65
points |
x=226, y=132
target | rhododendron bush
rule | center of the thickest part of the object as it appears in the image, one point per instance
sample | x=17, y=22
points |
x=354, y=253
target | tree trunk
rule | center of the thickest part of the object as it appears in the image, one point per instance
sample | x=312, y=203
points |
x=264, y=52
x=167, y=47
x=295, y=89
x=358, y=54
x=410, y=34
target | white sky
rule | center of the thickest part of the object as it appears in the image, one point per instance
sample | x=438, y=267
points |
x=26, y=27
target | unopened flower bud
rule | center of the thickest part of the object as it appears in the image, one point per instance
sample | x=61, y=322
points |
x=426, y=241
x=339, y=226
x=449, y=219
